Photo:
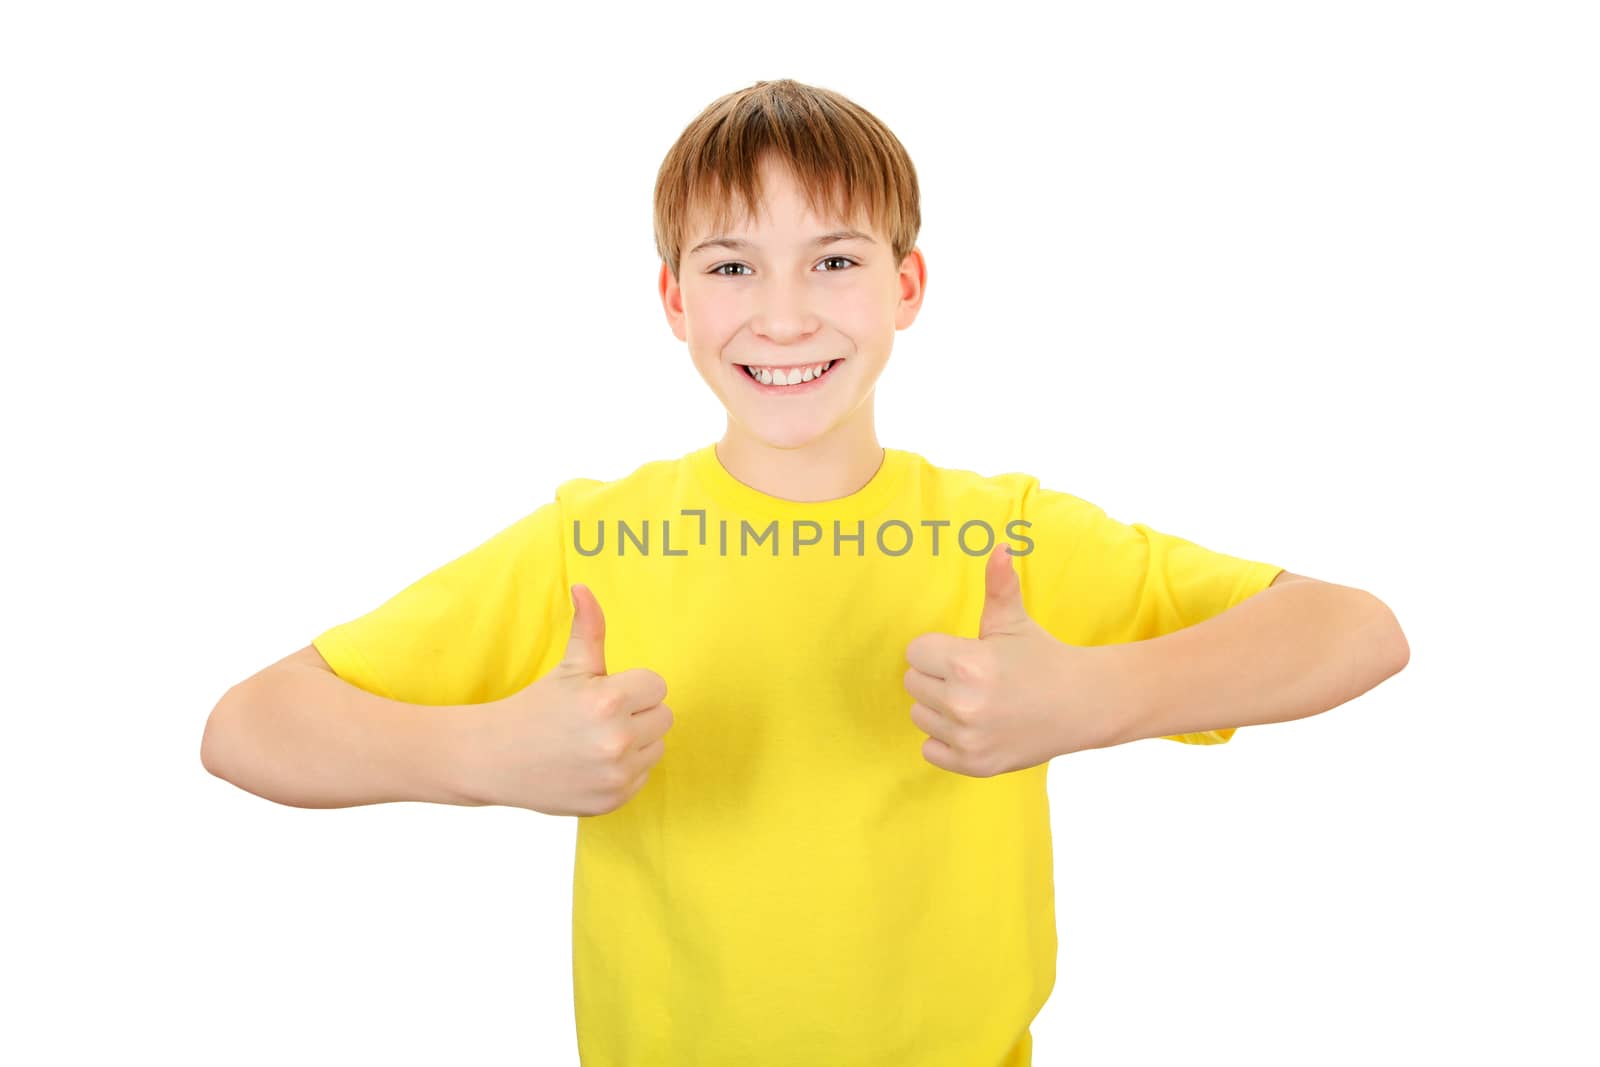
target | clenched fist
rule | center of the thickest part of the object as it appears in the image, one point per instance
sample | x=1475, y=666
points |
x=1013, y=697
x=578, y=741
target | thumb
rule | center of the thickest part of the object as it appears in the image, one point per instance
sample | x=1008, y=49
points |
x=1003, y=612
x=586, y=646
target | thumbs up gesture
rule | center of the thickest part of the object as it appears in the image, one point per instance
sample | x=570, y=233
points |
x=578, y=741
x=1011, y=698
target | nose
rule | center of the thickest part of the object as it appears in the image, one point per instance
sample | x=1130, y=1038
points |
x=783, y=313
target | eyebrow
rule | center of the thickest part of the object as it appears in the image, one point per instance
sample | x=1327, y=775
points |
x=737, y=243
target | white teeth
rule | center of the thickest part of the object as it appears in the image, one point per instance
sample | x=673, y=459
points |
x=768, y=376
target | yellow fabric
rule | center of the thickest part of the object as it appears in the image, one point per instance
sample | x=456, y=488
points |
x=795, y=884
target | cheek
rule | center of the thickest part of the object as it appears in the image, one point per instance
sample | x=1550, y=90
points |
x=862, y=322
x=707, y=314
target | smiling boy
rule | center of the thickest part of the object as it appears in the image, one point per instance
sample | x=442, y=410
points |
x=844, y=855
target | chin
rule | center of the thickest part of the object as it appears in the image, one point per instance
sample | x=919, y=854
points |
x=786, y=438
x=785, y=434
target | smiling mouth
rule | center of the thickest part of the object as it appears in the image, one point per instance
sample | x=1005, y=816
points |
x=788, y=376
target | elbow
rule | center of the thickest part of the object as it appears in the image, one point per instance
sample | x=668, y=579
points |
x=1397, y=650
x=1402, y=652
x=210, y=758
x=214, y=739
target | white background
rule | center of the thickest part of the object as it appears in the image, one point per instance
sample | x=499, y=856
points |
x=302, y=300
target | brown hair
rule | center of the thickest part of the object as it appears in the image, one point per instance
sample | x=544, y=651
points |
x=840, y=154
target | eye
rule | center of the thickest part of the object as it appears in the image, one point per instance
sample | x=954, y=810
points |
x=720, y=270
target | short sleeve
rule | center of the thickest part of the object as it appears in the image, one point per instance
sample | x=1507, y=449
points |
x=1092, y=580
x=476, y=629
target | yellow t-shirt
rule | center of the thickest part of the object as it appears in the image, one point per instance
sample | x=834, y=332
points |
x=795, y=884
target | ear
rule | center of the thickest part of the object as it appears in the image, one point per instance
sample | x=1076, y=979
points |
x=913, y=283
x=672, y=301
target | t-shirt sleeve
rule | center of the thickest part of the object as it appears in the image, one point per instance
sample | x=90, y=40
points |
x=476, y=629
x=1092, y=580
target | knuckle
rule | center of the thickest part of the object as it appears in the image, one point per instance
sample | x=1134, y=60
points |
x=973, y=666
x=614, y=746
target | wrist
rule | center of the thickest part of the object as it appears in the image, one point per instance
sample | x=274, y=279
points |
x=459, y=735
x=1127, y=699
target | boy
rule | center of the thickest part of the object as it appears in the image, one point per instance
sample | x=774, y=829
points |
x=845, y=856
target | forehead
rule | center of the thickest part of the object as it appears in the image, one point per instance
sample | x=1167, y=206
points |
x=717, y=211
x=739, y=244
x=737, y=229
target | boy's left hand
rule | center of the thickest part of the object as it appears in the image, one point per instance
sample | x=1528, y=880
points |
x=1013, y=697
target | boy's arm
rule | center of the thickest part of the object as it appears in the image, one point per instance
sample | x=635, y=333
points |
x=1295, y=649
x=298, y=734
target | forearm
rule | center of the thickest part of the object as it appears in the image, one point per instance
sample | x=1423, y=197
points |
x=1288, y=652
x=305, y=737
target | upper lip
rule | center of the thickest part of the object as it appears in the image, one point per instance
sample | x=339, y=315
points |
x=793, y=366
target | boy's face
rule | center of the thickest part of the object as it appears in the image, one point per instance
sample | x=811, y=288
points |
x=784, y=300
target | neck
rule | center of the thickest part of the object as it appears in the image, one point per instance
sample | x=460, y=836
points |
x=832, y=466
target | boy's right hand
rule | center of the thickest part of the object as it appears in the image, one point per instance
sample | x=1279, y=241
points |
x=578, y=741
